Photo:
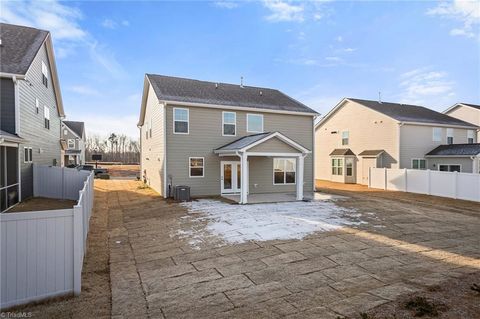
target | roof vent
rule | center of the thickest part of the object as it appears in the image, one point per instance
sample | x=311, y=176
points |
x=241, y=81
x=379, y=97
x=261, y=93
x=216, y=85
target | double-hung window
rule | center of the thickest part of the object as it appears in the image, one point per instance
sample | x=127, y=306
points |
x=71, y=143
x=449, y=135
x=180, y=121
x=150, y=127
x=44, y=74
x=196, y=166
x=46, y=116
x=337, y=166
x=470, y=136
x=437, y=134
x=254, y=123
x=345, y=135
x=284, y=171
x=37, y=106
x=229, y=123
x=27, y=155
x=349, y=166
x=419, y=163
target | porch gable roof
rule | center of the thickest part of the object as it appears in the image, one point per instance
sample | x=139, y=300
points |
x=245, y=143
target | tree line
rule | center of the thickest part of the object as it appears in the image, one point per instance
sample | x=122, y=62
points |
x=114, y=148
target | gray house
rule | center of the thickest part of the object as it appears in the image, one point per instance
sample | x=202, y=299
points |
x=31, y=109
x=73, y=143
x=224, y=139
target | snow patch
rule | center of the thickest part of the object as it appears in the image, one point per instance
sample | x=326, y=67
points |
x=261, y=222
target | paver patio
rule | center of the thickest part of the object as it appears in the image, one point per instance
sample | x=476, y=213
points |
x=404, y=247
x=408, y=243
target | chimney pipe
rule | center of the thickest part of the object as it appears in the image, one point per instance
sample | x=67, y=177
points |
x=379, y=97
x=241, y=81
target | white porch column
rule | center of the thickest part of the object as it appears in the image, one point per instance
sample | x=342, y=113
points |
x=299, y=177
x=244, y=181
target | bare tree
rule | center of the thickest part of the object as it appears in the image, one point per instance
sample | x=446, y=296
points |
x=114, y=148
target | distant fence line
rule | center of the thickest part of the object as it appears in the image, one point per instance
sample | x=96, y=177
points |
x=42, y=251
x=445, y=184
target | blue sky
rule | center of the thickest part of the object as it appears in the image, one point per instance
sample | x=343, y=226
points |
x=318, y=52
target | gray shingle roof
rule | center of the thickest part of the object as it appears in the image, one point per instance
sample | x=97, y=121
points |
x=10, y=137
x=19, y=47
x=77, y=127
x=411, y=113
x=342, y=152
x=194, y=91
x=243, y=142
x=367, y=153
x=456, y=150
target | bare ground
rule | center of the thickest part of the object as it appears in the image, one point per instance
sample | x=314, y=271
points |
x=42, y=203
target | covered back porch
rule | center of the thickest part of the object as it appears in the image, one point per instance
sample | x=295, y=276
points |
x=265, y=167
x=10, y=169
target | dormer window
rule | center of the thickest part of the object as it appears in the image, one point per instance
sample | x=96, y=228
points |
x=44, y=74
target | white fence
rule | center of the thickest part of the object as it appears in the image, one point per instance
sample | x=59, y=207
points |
x=57, y=182
x=446, y=184
x=42, y=252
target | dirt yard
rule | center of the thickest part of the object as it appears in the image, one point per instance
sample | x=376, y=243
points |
x=368, y=251
x=42, y=203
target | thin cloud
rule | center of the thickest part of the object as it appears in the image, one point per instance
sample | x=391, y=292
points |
x=464, y=11
x=83, y=90
x=112, y=24
x=425, y=86
x=226, y=4
x=284, y=11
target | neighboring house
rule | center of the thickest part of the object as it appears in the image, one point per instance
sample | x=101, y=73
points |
x=223, y=138
x=73, y=143
x=466, y=112
x=31, y=109
x=358, y=134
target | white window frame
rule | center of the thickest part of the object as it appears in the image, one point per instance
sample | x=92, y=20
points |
x=150, y=127
x=68, y=143
x=448, y=171
x=253, y=114
x=470, y=135
x=450, y=133
x=337, y=166
x=65, y=132
x=188, y=120
x=37, y=106
x=234, y=123
x=419, y=159
x=29, y=158
x=347, y=138
x=345, y=165
x=437, y=137
x=190, y=166
x=285, y=170
x=45, y=73
x=46, y=116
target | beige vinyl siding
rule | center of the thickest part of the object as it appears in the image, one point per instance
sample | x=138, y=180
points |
x=467, y=114
x=45, y=143
x=274, y=145
x=417, y=140
x=368, y=130
x=153, y=148
x=465, y=162
x=206, y=135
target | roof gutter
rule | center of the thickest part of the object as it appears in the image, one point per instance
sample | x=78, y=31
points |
x=240, y=108
x=12, y=75
x=472, y=127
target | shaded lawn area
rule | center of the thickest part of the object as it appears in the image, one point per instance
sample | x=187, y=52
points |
x=42, y=203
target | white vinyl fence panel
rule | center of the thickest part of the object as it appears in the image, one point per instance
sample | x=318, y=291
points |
x=57, y=182
x=446, y=184
x=42, y=252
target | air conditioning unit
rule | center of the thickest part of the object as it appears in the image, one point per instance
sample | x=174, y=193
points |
x=182, y=193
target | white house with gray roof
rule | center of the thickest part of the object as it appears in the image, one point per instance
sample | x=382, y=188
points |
x=224, y=139
x=31, y=109
x=73, y=143
x=467, y=112
x=358, y=134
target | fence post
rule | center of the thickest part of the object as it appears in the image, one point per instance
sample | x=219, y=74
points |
x=405, y=172
x=428, y=182
x=455, y=194
x=63, y=182
x=77, y=249
x=385, y=178
x=369, y=177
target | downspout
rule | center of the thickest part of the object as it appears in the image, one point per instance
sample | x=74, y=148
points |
x=17, y=131
x=165, y=176
x=399, y=138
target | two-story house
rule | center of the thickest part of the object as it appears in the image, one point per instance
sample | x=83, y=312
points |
x=358, y=134
x=31, y=109
x=223, y=138
x=73, y=142
x=466, y=112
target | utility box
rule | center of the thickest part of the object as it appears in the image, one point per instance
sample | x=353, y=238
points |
x=182, y=193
